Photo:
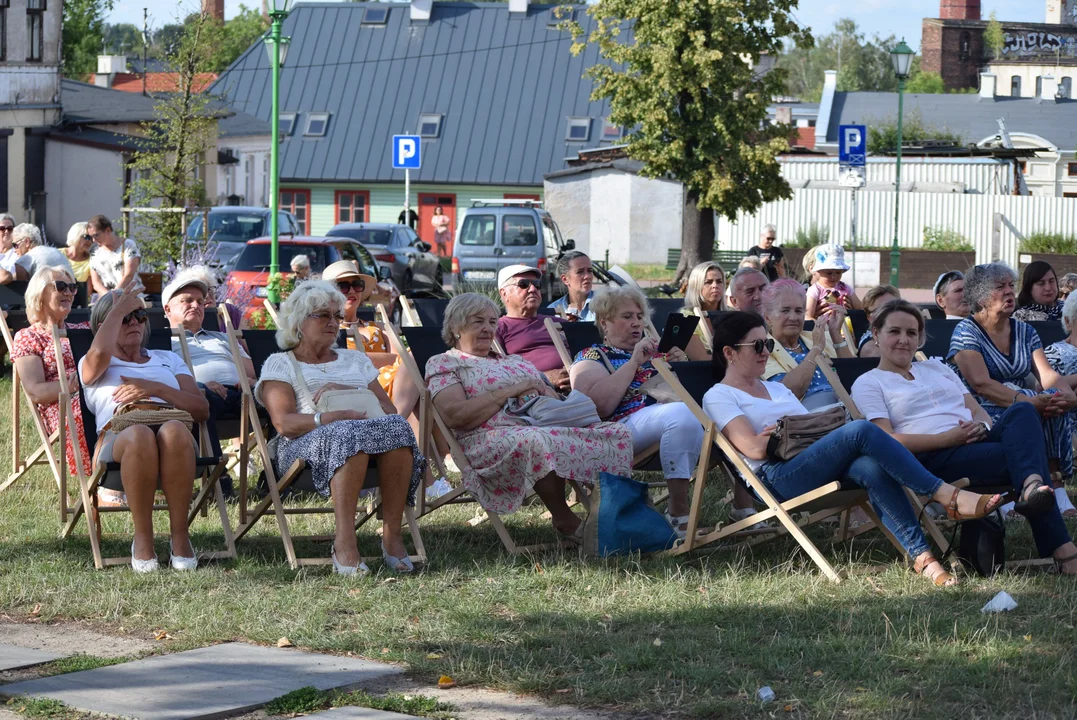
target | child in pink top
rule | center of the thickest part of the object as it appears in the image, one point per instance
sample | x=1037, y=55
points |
x=829, y=289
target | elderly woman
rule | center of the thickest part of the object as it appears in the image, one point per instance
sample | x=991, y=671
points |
x=31, y=255
x=300, y=265
x=507, y=457
x=1066, y=285
x=338, y=445
x=798, y=368
x=1002, y=362
x=48, y=302
x=77, y=251
x=613, y=374
x=949, y=294
x=874, y=299
x=926, y=408
x=118, y=370
x=1038, y=299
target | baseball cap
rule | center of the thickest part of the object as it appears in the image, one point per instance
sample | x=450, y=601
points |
x=183, y=279
x=506, y=274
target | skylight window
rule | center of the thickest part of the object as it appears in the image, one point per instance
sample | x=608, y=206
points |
x=287, y=124
x=375, y=15
x=430, y=125
x=559, y=15
x=611, y=131
x=579, y=130
x=316, y=124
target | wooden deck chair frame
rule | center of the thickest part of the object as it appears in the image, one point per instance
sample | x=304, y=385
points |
x=409, y=316
x=44, y=454
x=825, y=501
x=208, y=474
x=252, y=424
x=429, y=418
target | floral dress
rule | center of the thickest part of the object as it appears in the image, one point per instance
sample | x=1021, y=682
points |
x=374, y=340
x=505, y=456
x=37, y=342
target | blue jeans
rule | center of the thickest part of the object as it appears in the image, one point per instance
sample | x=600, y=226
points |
x=867, y=455
x=227, y=407
x=1014, y=449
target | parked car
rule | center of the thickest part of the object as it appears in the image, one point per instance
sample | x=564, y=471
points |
x=250, y=268
x=414, y=266
x=496, y=233
x=230, y=227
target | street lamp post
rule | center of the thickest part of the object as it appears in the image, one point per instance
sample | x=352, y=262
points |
x=277, y=47
x=901, y=56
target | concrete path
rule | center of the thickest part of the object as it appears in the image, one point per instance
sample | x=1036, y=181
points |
x=13, y=657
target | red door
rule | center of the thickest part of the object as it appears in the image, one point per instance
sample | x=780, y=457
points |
x=428, y=203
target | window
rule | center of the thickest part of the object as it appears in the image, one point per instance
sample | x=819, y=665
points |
x=1069, y=195
x=255, y=256
x=1065, y=88
x=375, y=16
x=1039, y=85
x=248, y=179
x=265, y=180
x=966, y=39
x=286, y=124
x=316, y=124
x=1071, y=169
x=611, y=131
x=518, y=230
x=35, y=30
x=352, y=206
x=579, y=129
x=1015, y=86
x=478, y=230
x=560, y=14
x=297, y=202
x=430, y=125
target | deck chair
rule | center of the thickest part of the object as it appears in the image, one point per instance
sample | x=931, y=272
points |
x=262, y=344
x=209, y=468
x=430, y=311
x=937, y=340
x=661, y=309
x=823, y=502
x=424, y=343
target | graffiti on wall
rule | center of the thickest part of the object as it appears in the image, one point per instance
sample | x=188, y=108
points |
x=1021, y=44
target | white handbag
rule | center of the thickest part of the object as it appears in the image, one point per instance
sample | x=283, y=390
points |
x=358, y=399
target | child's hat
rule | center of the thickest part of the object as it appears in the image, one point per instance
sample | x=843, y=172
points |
x=830, y=257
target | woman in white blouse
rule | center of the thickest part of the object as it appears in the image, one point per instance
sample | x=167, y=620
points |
x=338, y=445
x=745, y=409
x=926, y=408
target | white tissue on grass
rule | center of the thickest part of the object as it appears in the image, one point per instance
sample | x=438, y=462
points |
x=1000, y=603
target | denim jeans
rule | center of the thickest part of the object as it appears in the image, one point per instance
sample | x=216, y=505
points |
x=867, y=455
x=1014, y=449
x=222, y=407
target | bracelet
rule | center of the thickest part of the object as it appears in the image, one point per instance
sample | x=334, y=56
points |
x=843, y=343
x=1015, y=396
x=987, y=428
x=317, y=420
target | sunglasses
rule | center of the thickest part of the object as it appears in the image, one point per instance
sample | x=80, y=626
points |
x=357, y=284
x=326, y=317
x=6, y=228
x=65, y=287
x=527, y=283
x=139, y=316
x=758, y=345
x=88, y=237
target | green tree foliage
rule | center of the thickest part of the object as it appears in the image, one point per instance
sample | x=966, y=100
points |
x=235, y=36
x=925, y=83
x=123, y=38
x=943, y=239
x=83, y=35
x=862, y=64
x=683, y=78
x=994, y=38
x=176, y=143
x=882, y=135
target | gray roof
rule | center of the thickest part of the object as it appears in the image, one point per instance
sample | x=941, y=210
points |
x=506, y=86
x=970, y=116
x=84, y=104
x=243, y=125
x=94, y=137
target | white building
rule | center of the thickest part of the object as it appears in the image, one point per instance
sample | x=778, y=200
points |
x=243, y=164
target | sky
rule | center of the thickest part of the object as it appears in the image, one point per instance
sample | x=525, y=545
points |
x=875, y=17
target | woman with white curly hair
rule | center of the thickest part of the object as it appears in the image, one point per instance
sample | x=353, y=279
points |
x=32, y=255
x=338, y=445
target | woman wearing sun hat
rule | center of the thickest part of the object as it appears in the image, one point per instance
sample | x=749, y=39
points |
x=828, y=289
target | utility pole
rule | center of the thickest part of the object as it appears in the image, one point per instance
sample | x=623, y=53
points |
x=145, y=46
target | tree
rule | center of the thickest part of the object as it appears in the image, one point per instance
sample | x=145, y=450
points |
x=882, y=135
x=925, y=83
x=861, y=64
x=174, y=146
x=123, y=38
x=235, y=36
x=83, y=36
x=994, y=38
x=683, y=80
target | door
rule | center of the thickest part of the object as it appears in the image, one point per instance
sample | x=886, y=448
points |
x=428, y=202
x=297, y=202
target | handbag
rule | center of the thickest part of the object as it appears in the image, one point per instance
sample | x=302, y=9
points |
x=983, y=546
x=623, y=519
x=655, y=386
x=575, y=410
x=148, y=413
x=359, y=399
x=794, y=434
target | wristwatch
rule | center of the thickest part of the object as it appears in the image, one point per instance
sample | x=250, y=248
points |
x=317, y=420
x=987, y=428
x=843, y=343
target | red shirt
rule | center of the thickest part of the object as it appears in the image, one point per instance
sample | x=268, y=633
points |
x=528, y=338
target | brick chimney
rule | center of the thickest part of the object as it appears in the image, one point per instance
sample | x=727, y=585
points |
x=959, y=9
x=215, y=9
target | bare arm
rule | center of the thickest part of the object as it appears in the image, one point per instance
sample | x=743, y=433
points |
x=974, y=370
x=799, y=378
x=130, y=270
x=780, y=267
x=463, y=413
x=7, y=277
x=381, y=359
x=696, y=350
x=747, y=441
x=188, y=397
x=1050, y=378
x=279, y=400
x=96, y=284
x=32, y=375
x=248, y=368
x=606, y=390
x=99, y=355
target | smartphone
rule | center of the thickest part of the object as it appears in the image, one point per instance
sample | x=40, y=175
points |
x=678, y=332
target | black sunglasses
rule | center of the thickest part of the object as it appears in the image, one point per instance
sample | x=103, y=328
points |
x=139, y=316
x=525, y=283
x=6, y=228
x=758, y=345
x=63, y=287
x=357, y=284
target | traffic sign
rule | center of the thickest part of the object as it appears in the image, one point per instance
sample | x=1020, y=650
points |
x=852, y=145
x=407, y=152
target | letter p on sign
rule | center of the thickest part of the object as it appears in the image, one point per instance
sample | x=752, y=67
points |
x=407, y=151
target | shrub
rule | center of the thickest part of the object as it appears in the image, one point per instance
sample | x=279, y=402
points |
x=809, y=237
x=943, y=240
x=1045, y=242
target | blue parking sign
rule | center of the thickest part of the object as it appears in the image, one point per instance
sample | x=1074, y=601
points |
x=407, y=150
x=852, y=145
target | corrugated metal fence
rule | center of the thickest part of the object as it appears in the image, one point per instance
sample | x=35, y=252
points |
x=971, y=215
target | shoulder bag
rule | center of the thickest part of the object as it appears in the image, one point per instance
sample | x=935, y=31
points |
x=148, y=413
x=575, y=410
x=795, y=433
x=358, y=399
x=655, y=386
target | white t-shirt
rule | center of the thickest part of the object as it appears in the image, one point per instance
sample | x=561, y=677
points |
x=723, y=404
x=164, y=366
x=352, y=368
x=931, y=403
x=7, y=260
x=41, y=256
x=109, y=264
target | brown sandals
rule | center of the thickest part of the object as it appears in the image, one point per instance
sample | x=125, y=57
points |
x=939, y=577
x=985, y=505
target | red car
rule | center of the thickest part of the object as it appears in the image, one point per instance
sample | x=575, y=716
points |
x=251, y=267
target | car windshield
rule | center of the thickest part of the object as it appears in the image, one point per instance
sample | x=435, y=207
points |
x=236, y=227
x=366, y=236
x=255, y=257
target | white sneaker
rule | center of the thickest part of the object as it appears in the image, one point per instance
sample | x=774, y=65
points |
x=440, y=487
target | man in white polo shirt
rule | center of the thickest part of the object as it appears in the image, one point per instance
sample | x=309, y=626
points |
x=184, y=301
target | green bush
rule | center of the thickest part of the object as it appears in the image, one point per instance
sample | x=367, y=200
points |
x=809, y=237
x=1044, y=242
x=943, y=240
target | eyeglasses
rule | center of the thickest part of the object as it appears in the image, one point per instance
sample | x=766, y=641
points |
x=526, y=283
x=758, y=345
x=65, y=287
x=357, y=284
x=326, y=317
x=771, y=237
x=139, y=316
x=88, y=237
x=6, y=228
x=93, y=237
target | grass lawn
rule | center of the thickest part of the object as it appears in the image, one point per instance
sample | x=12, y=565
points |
x=695, y=636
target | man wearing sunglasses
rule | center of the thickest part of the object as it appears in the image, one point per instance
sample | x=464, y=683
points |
x=184, y=301
x=7, y=249
x=522, y=331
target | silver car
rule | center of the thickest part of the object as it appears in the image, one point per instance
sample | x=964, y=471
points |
x=413, y=266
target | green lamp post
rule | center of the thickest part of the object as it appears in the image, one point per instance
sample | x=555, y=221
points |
x=901, y=56
x=277, y=47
